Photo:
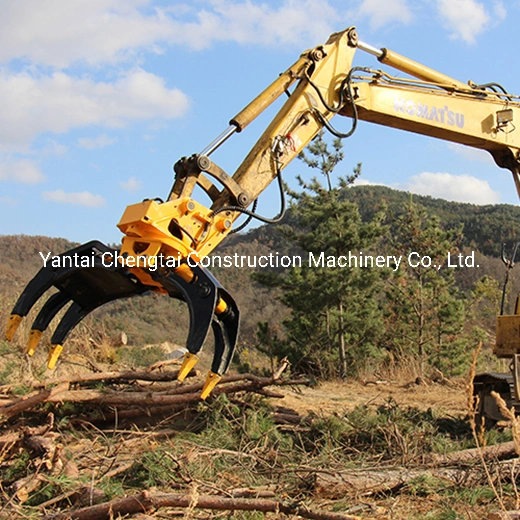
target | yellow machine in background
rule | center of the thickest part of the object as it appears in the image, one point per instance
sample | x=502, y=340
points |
x=325, y=83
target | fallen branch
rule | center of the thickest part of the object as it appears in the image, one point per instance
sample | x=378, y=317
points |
x=32, y=400
x=504, y=515
x=371, y=481
x=114, y=377
x=180, y=395
x=177, y=396
x=146, y=502
x=505, y=450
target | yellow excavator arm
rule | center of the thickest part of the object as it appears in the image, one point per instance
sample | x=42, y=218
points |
x=163, y=240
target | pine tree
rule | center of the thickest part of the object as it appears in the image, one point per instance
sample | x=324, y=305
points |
x=335, y=316
x=425, y=312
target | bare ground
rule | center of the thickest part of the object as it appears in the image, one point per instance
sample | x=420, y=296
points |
x=331, y=397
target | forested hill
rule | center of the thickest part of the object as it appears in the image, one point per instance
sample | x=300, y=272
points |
x=485, y=227
x=146, y=320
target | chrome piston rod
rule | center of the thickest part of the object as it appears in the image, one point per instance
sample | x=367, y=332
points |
x=223, y=137
x=371, y=50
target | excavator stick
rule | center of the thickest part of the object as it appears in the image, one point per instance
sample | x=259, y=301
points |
x=85, y=289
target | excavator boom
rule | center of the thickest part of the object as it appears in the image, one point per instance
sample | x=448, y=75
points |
x=182, y=230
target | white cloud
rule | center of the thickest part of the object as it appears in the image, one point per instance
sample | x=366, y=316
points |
x=79, y=198
x=97, y=142
x=23, y=171
x=54, y=148
x=59, y=103
x=132, y=184
x=101, y=31
x=499, y=10
x=465, y=18
x=365, y=182
x=9, y=201
x=459, y=188
x=292, y=23
x=383, y=12
x=58, y=33
x=472, y=154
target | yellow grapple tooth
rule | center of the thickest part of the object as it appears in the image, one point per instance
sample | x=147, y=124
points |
x=32, y=342
x=190, y=360
x=54, y=354
x=12, y=324
x=211, y=381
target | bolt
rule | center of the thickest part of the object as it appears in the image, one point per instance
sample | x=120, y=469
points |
x=204, y=290
x=203, y=162
x=353, y=37
x=243, y=199
x=317, y=54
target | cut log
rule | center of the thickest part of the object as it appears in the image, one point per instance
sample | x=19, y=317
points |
x=505, y=450
x=30, y=401
x=372, y=481
x=146, y=502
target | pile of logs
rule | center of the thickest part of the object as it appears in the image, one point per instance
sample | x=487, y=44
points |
x=133, y=392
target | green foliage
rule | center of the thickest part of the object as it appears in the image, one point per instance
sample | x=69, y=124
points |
x=53, y=487
x=16, y=470
x=386, y=432
x=335, y=317
x=485, y=227
x=154, y=468
x=425, y=312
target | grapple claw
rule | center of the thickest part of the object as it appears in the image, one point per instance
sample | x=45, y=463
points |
x=12, y=325
x=87, y=288
x=54, y=354
x=209, y=306
x=211, y=381
x=189, y=361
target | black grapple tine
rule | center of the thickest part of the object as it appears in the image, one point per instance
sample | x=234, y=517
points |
x=46, y=277
x=75, y=313
x=200, y=295
x=225, y=329
x=52, y=306
x=87, y=287
x=209, y=306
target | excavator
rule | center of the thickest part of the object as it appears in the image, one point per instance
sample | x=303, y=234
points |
x=164, y=241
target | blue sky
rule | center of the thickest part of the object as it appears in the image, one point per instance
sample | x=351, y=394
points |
x=98, y=98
